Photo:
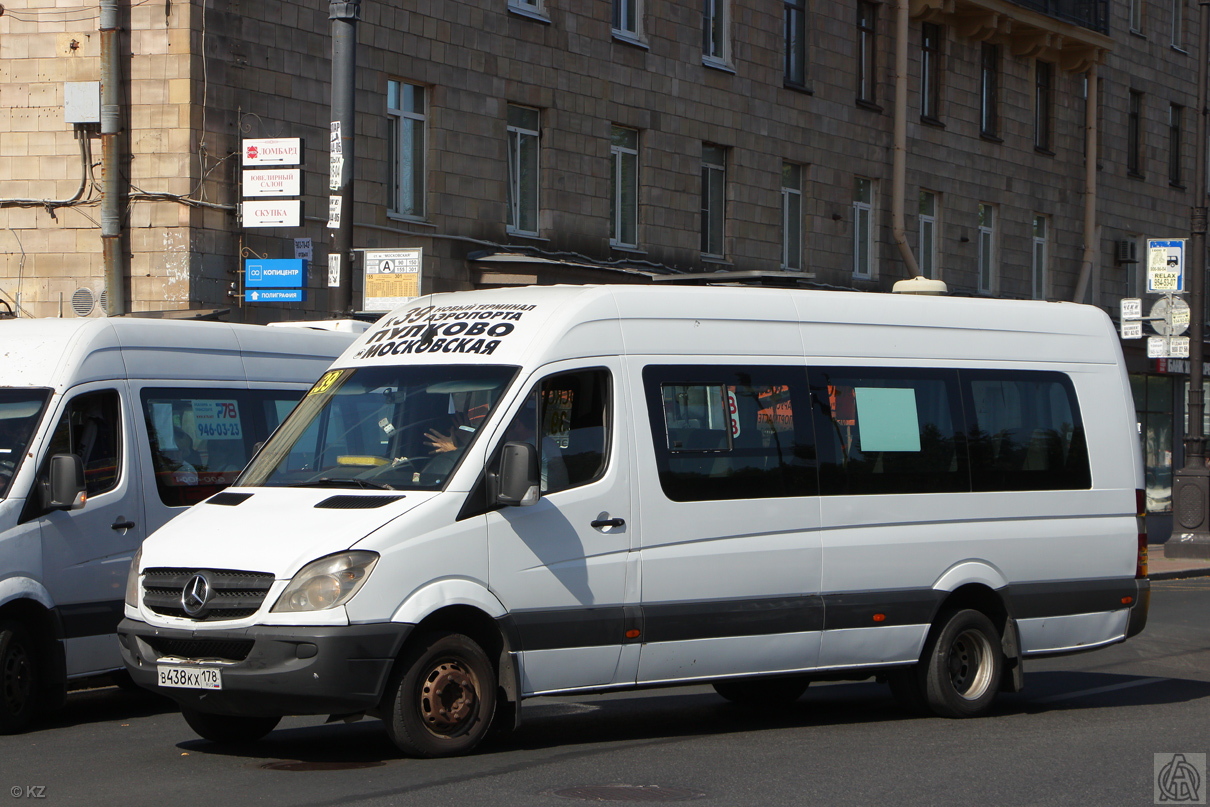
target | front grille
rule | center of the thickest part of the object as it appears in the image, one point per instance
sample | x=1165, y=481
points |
x=220, y=649
x=233, y=594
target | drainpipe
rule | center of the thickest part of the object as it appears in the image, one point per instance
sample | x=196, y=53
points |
x=112, y=241
x=1091, y=240
x=899, y=162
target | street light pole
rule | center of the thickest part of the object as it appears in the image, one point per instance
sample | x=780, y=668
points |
x=1191, y=488
x=344, y=15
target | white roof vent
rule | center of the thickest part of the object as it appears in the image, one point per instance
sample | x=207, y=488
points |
x=919, y=285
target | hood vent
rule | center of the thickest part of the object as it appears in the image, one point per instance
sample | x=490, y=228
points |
x=346, y=502
x=229, y=499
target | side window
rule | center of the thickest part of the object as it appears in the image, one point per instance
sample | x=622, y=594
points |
x=1026, y=432
x=91, y=427
x=571, y=414
x=889, y=430
x=202, y=438
x=731, y=433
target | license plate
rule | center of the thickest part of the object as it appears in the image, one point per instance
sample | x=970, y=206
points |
x=188, y=677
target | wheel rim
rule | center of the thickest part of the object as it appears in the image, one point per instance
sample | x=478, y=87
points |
x=970, y=664
x=16, y=678
x=449, y=699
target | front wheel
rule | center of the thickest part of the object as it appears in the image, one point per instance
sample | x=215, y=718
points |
x=18, y=677
x=441, y=698
x=229, y=729
x=962, y=665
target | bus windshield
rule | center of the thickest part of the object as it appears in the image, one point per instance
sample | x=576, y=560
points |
x=20, y=411
x=390, y=428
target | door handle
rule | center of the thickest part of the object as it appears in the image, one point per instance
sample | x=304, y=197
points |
x=601, y=524
x=122, y=524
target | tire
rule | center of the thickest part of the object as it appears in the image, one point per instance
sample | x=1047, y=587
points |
x=441, y=698
x=20, y=674
x=962, y=665
x=763, y=691
x=229, y=729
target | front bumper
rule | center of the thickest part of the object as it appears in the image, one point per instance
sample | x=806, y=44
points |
x=271, y=670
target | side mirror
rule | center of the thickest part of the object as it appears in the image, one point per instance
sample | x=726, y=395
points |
x=520, y=481
x=65, y=487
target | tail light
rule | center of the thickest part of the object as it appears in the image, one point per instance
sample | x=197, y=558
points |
x=1140, y=500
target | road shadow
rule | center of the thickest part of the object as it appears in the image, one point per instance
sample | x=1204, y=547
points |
x=667, y=715
x=101, y=702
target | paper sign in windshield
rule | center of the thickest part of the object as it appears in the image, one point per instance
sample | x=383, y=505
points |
x=217, y=420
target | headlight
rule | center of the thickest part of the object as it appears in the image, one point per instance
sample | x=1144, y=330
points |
x=132, y=580
x=327, y=582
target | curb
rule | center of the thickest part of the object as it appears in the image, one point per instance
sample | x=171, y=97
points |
x=1180, y=574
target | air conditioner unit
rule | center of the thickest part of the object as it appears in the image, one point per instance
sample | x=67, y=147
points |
x=1126, y=251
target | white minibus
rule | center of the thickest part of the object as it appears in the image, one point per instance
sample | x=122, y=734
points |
x=109, y=428
x=500, y=494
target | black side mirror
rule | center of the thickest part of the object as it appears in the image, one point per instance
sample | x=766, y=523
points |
x=519, y=482
x=64, y=488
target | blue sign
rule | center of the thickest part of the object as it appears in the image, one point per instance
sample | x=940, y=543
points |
x=275, y=295
x=274, y=274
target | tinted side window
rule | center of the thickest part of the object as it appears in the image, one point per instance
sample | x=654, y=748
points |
x=1025, y=431
x=731, y=432
x=571, y=413
x=889, y=430
x=202, y=438
x=91, y=427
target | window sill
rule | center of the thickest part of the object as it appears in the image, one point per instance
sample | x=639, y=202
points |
x=526, y=236
x=1043, y=150
x=627, y=38
x=805, y=89
x=715, y=64
x=1180, y=50
x=628, y=249
x=991, y=138
x=1177, y=186
x=529, y=14
x=933, y=122
x=870, y=105
x=717, y=260
x=415, y=222
x=1136, y=175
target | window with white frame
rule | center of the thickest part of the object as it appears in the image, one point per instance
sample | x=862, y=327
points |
x=1175, y=114
x=523, y=169
x=987, y=248
x=624, y=186
x=1136, y=16
x=989, y=90
x=863, y=227
x=1134, y=279
x=626, y=15
x=532, y=6
x=791, y=217
x=1178, y=24
x=714, y=196
x=932, y=41
x=1038, y=261
x=715, y=34
x=1043, y=104
x=795, y=20
x=928, y=234
x=406, y=143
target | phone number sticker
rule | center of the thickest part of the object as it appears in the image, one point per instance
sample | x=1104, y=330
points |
x=217, y=420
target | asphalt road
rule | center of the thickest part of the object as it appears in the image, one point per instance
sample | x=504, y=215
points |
x=1088, y=730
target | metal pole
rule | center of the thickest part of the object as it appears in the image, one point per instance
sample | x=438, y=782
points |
x=113, y=251
x=1191, y=488
x=344, y=17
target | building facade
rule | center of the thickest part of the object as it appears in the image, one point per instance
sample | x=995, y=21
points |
x=837, y=144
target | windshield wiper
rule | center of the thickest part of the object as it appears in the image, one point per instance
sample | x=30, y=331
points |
x=347, y=482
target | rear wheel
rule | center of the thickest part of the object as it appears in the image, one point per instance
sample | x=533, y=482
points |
x=763, y=691
x=441, y=698
x=229, y=729
x=962, y=665
x=19, y=673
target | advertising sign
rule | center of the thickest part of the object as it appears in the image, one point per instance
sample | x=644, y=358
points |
x=275, y=295
x=1166, y=265
x=273, y=182
x=264, y=152
x=276, y=213
x=282, y=273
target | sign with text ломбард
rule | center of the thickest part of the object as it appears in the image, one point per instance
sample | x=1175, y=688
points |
x=392, y=277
